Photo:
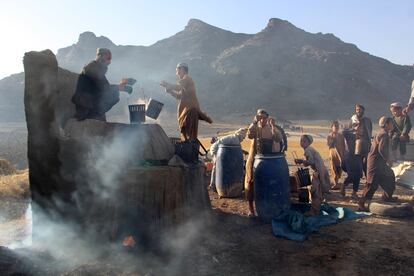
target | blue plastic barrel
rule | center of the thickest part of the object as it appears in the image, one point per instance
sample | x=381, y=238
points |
x=229, y=171
x=271, y=185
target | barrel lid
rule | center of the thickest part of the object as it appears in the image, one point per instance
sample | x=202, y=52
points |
x=229, y=146
x=269, y=156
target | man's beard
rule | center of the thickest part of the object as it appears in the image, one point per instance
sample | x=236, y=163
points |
x=104, y=61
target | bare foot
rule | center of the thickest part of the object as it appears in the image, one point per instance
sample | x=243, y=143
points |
x=251, y=213
x=361, y=206
x=335, y=187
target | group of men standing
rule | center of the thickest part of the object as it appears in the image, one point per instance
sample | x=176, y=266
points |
x=356, y=152
x=348, y=151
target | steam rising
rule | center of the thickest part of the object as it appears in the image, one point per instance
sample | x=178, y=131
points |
x=70, y=246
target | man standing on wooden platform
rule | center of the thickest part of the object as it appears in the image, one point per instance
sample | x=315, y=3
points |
x=94, y=95
x=188, y=111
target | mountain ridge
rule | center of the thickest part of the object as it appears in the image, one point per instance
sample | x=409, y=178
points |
x=290, y=72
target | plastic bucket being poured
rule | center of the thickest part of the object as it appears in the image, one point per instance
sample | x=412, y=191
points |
x=154, y=108
x=136, y=113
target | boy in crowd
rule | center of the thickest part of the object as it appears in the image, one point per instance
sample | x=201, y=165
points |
x=336, y=144
x=320, y=178
x=399, y=133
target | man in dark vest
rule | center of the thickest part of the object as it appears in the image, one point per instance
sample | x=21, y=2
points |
x=362, y=127
x=94, y=95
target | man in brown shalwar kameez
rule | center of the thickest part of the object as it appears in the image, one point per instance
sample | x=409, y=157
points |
x=262, y=130
x=188, y=110
x=379, y=172
x=336, y=144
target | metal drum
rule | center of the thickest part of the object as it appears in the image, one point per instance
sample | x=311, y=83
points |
x=271, y=185
x=229, y=171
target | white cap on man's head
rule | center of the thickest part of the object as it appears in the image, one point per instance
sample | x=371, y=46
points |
x=261, y=111
x=396, y=104
x=182, y=64
x=102, y=51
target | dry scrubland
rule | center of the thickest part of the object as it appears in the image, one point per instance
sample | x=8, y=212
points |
x=14, y=201
x=13, y=183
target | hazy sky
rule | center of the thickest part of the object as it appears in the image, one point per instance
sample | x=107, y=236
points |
x=382, y=28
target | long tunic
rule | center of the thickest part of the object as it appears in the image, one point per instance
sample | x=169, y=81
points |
x=316, y=162
x=402, y=127
x=188, y=109
x=94, y=96
x=336, y=144
x=320, y=178
x=256, y=133
x=352, y=162
x=364, y=133
x=378, y=171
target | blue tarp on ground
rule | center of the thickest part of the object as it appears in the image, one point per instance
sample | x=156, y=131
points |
x=294, y=225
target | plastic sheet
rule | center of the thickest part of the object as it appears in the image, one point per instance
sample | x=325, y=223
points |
x=294, y=225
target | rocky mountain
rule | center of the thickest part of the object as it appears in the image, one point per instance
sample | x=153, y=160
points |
x=11, y=98
x=292, y=73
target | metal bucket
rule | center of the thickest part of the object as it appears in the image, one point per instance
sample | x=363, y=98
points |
x=136, y=113
x=154, y=108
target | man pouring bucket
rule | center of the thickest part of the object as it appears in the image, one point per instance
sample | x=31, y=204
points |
x=188, y=109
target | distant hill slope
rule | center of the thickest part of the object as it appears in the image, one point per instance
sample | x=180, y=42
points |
x=11, y=98
x=292, y=73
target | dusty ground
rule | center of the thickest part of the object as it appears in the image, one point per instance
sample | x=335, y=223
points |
x=230, y=243
x=368, y=246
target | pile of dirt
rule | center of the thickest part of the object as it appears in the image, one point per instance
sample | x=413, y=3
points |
x=6, y=168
